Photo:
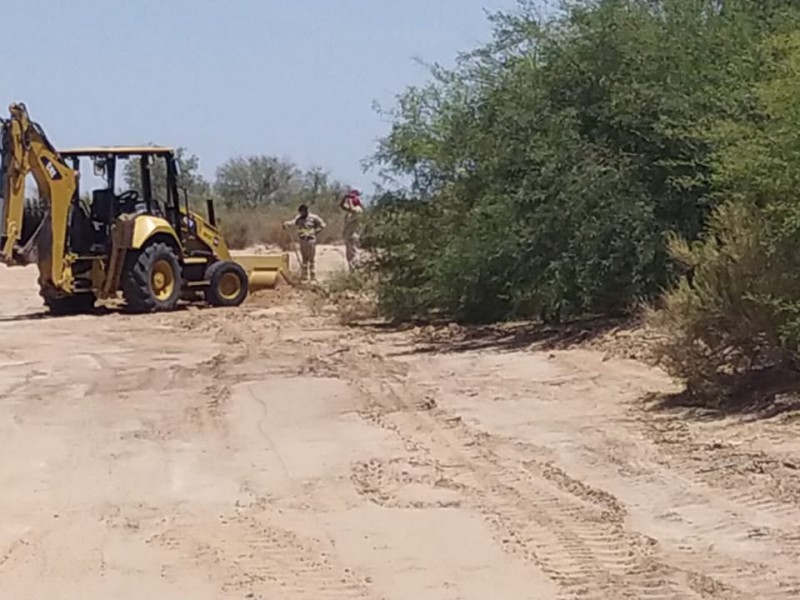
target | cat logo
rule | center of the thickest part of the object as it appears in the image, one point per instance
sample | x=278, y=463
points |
x=51, y=169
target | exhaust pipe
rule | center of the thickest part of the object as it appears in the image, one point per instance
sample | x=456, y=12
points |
x=212, y=216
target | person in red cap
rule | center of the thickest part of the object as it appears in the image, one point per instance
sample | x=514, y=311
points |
x=352, y=207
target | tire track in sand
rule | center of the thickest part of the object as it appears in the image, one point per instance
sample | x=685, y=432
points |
x=247, y=556
x=581, y=546
x=739, y=508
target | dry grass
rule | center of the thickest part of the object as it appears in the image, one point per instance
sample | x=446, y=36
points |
x=735, y=317
x=350, y=295
x=243, y=229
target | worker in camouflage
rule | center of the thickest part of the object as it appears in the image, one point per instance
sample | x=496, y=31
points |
x=308, y=226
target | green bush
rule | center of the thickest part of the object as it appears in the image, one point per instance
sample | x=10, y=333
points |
x=738, y=310
x=548, y=169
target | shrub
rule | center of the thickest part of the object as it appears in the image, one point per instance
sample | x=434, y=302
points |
x=738, y=310
x=237, y=228
x=351, y=295
x=546, y=170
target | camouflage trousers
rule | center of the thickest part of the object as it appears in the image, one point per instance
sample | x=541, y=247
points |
x=308, y=253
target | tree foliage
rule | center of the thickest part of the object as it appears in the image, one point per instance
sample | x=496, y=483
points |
x=548, y=168
x=256, y=181
x=190, y=178
x=740, y=310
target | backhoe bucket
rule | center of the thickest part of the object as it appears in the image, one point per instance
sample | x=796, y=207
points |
x=263, y=271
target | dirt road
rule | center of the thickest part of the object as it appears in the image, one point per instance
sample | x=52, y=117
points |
x=268, y=452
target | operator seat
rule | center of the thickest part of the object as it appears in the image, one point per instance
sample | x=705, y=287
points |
x=101, y=214
x=103, y=207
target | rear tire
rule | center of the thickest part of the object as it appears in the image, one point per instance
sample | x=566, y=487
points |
x=152, y=279
x=228, y=284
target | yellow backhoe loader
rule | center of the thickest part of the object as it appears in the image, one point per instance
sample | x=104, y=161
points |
x=89, y=246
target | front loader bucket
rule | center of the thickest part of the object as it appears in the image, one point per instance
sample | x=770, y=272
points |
x=264, y=270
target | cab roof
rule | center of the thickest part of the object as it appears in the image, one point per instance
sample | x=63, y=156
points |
x=117, y=151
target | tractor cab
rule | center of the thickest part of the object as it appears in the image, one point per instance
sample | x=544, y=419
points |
x=128, y=181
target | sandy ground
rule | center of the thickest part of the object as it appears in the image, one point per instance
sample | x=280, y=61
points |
x=268, y=453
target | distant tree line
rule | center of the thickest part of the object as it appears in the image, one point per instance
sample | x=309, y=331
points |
x=246, y=183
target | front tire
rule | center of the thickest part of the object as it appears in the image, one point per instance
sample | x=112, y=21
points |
x=152, y=280
x=228, y=284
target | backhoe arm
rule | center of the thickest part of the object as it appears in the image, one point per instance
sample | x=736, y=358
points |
x=26, y=150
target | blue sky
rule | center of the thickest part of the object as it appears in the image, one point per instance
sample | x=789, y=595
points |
x=293, y=78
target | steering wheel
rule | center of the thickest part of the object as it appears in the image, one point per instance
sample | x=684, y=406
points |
x=127, y=201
